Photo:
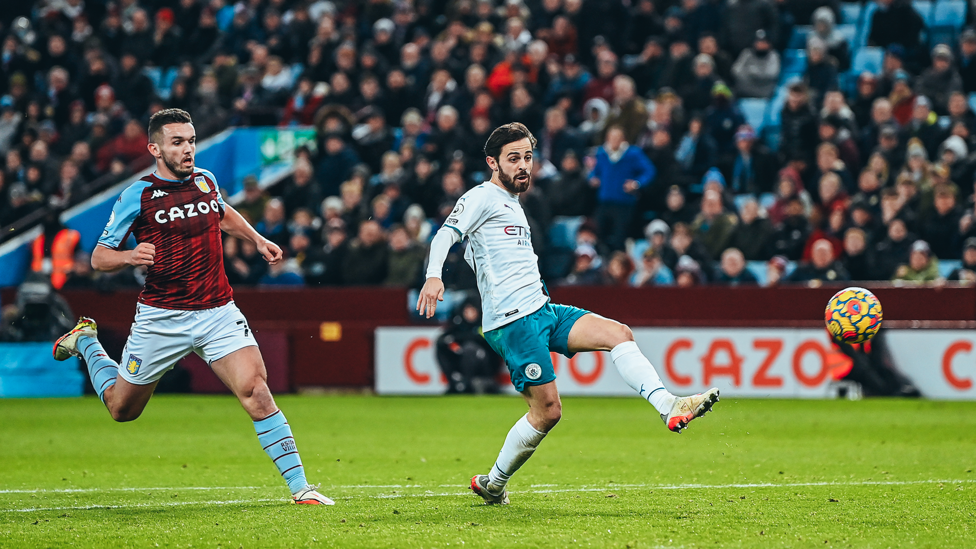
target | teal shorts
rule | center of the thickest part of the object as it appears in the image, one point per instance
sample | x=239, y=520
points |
x=525, y=343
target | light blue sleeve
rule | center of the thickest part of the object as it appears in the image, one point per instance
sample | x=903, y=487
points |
x=211, y=177
x=469, y=213
x=124, y=214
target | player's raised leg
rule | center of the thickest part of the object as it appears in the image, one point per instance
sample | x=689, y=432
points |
x=125, y=401
x=592, y=332
x=244, y=373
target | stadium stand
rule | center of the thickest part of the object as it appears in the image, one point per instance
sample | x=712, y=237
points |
x=401, y=96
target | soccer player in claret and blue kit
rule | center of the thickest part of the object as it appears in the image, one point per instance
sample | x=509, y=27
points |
x=520, y=323
x=176, y=215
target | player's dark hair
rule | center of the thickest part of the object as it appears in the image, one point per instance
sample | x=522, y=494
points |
x=163, y=117
x=503, y=135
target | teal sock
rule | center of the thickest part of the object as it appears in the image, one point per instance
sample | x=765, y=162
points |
x=101, y=369
x=275, y=437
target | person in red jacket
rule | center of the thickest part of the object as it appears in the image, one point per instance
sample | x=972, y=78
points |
x=129, y=145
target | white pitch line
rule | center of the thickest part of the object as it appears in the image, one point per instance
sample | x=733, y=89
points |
x=459, y=494
x=169, y=489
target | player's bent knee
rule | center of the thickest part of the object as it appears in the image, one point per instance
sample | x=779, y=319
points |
x=551, y=414
x=123, y=415
x=624, y=333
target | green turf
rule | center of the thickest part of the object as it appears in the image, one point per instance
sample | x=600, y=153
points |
x=752, y=473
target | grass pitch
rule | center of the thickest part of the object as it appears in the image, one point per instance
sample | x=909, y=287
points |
x=752, y=473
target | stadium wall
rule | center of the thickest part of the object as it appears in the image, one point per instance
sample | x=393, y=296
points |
x=330, y=332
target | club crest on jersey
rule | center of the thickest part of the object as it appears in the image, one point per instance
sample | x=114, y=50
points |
x=202, y=184
x=133, y=365
x=533, y=371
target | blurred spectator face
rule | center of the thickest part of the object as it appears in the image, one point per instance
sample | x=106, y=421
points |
x=685, y=279
x=69, y=171
x=661, y=138
x=918, y=260
x=481, y=125
x=298, y=243
x=80, y=151
x=615, y=138
x=945, y=201
x=860, y=216
x=352, y=195
x=968, y=48
x=623, y=89
x=675, y=200
x=706, y=44
x=827, y=131
x=334, y=145
x=854, y=243
x=957, y=104
x=340, y=83
x=749, y=211
x=346, y=58
x=133, y=130
x=794, y=208
x=569, y=163
x=733, y=262
x=704, y=67
x=606, y=65
x=39, y=151
x=381, y=207
x=829, y=187
x=744, y=145
x=302, y=218
x=920, y=112
x=796, y=99
x=838, y=216
x=140, y=21
x=868, y=181
x=274, y=212
x=960, y=129
x=452, y=184
x=881, y=111
x=969, y=256
x=619, y=268
x=555, y=120
x=822, y=254
x=711, y=204
x=446, y=118
x=58, y=79
x=681, y=239
x=399, y=239
x=896, y=230
x=56, y=45
x=303, y=173
x=395, y=80
x=520, y=98
x=335, y=237
x=474, y=78
x=815, y=54
x=826, y=158
x=537, y=50
x=584, y=261
x=370, y=233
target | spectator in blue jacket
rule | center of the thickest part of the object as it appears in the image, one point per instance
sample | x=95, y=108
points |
x=621, y=169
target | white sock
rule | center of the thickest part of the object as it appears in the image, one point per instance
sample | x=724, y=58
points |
x=638, y=372
x=519, y=445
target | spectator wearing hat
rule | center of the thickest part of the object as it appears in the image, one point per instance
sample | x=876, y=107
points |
x=776, y=270
x=954, y=156
x=372, y=138
x=798, y=123
x=790, y=235
x=688, y=273
x=652, y=271
x=676, y=208
x=823, y=21
x=753, y=167
x=753, y=232
x=941, y=227
x=960, y=112
x=822, y=267
x=902, y=97
x=722, y=119
x=821, y=71
x=621, y=169
x=967, y=60
x=896, y=22
x=940, y=80
x=756, y=71
x=701, y=89
x=924, y=126
x=586, y=269
x=966, y=273
x=922, y=266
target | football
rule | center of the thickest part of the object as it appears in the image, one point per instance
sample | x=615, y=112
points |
x=853, y=315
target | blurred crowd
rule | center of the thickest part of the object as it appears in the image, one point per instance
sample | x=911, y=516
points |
x=646, y=173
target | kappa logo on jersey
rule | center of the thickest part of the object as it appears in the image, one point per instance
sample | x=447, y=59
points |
x=533, y=371
x=186, y=211
x=158, y=193
x=202, y=184
x=133, y=365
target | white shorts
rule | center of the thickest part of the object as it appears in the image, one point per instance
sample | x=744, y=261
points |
x=161, y=337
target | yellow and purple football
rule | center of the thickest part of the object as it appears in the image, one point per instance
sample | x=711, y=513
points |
x=853, y=315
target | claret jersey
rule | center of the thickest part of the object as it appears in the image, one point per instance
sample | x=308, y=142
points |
x=182, y=220
x=500, y=252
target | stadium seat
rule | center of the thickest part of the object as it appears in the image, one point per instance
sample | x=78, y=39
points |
x=754, y=111
x=924, y=8
x=562, y=233
x=794, y=64
x=850, y=13
x=867, y=59
x=972, y=101
x=946, y=266
x=949, y=13
x=776, y=107
x=799, y=38
x=850, y=33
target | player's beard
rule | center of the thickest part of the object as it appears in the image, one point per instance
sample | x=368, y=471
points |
x=177, y=167
x=514, y=185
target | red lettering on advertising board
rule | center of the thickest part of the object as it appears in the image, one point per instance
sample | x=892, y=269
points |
x=678, y=345
x=413, y=347
x=801, y=350
x=590, y=378
x=773, y=347
x=731, y=368
x=950, y=353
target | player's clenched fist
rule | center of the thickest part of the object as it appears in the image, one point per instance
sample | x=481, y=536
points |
x=269, y=251
x=143, y=254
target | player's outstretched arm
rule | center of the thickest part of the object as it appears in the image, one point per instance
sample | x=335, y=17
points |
x=234, y=224
x=433, y=290
x=108, y=260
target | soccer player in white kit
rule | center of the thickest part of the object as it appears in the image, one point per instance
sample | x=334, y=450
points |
x=519, y=321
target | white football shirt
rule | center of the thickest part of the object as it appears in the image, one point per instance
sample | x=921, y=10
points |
x=500, y=252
